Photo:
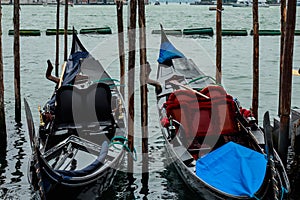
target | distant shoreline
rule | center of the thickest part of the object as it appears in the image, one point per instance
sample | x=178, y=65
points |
x=108, y=4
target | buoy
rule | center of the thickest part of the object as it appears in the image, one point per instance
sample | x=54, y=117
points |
x=199, y=31
x=104, y=30
x=234, y=33
x=297, y=32
x=168, y=32
x=26, y=32
x=60, y=31
x=267, y=32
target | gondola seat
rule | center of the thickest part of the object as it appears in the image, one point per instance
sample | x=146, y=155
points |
x=77, y=107
x=201, y=117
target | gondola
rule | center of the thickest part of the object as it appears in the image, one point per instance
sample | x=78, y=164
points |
x=215, y=144
x=82, y=135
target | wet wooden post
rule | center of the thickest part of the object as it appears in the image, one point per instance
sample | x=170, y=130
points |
x=286, y=82
x=66, y=32
x=283, y=25
x=57, y=39
x=17, y=61
x=2, y=106
x=131, y=79
x=255, y=60
x=144, y=96
x=119, y=5
x=219, y=42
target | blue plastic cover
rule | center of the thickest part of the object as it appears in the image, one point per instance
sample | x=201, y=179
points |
x=233, y=169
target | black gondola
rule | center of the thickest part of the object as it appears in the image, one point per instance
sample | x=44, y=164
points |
x=215, y=145
x=82, y=131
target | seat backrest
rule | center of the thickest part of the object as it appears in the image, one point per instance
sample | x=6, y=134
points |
x=83, y=106
x=200, y=116
x=98, y=102
x=67, y=98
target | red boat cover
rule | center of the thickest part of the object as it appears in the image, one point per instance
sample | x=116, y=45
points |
x=200, y=116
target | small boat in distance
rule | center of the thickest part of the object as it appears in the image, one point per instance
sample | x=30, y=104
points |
x=214, y=143
x=248, y=3
x=74, y=151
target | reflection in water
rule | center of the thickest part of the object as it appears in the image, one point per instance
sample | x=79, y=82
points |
x=174, y=185
x=3, y=161
x=19, y=157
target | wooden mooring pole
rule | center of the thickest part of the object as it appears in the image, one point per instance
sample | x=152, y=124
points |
x=255, y=89
x=119, y=5
x=219, y=42
x=283, y=26
x=144, y=95
x=286, y=82
x=17, y=61
x=57, y=39
x=66, y=32
x=2, y=106
x=131, y=80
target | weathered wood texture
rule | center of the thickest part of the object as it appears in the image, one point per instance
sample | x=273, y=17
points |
x=255, y=89
x=2, y=106
x=219, y=42
x=286, y=82
x=17, y=61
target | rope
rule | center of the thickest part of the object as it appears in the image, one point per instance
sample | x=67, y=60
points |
x=201, y=77
x=105, y=79
x=113, y=143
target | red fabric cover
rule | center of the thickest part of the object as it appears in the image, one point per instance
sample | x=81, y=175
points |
x=245, y=112
x=165, y=122
x=200, y=116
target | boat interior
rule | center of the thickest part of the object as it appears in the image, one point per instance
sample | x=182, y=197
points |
x=202, y=122
x=85, y=120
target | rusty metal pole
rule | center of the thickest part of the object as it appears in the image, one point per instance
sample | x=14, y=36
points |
x=144, y=90
x=286, y=84
x=2, y=106
x=131, y=80
x=119, y=5
x=57, y=39
x=283, y=26
x=66, y=31
x=255, y=89
x=17, y=61
x=219, y=42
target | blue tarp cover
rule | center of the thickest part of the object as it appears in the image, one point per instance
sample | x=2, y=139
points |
x=233, y=169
